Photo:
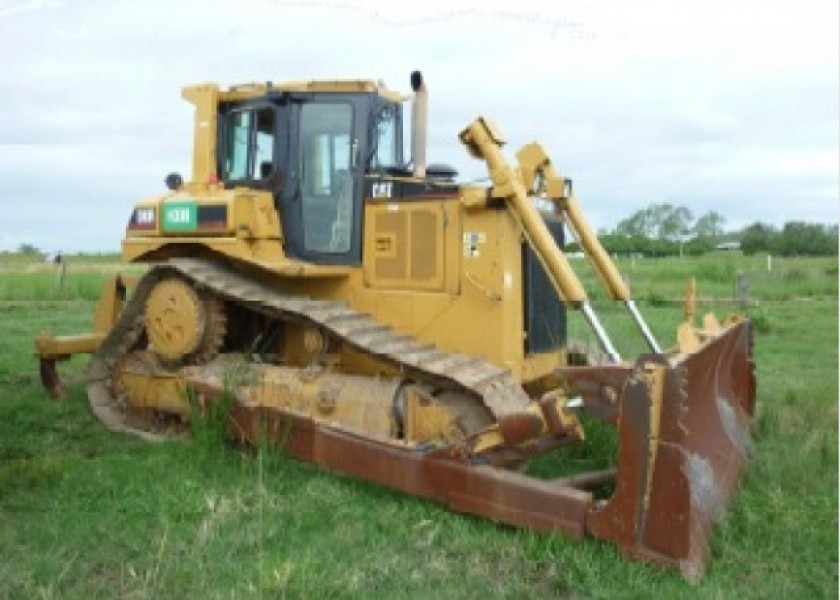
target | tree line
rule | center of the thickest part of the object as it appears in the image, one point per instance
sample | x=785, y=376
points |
x=795, y=238
x=668, y=229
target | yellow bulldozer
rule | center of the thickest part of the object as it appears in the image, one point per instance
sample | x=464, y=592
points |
x=374, y=316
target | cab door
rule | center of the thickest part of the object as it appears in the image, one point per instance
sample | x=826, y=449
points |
x=322, y=200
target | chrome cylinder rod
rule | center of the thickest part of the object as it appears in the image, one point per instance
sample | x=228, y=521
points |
x=602, y=336
x=646, y=333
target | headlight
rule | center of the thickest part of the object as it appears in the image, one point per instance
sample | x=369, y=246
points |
x=143, y=218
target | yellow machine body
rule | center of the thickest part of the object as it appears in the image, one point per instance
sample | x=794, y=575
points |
x=444, y=268
x=431, y=268
x=374, y=316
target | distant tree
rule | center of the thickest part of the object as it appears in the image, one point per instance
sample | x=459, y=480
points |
x=663, y=221
x=640, y=224
x=807, y=239
x=29, y=250
x=625, y=244
x=709, y=226
x=676, y=223
x=699, y=245
x=658, y=230
x=796, y=238
x=759, y=237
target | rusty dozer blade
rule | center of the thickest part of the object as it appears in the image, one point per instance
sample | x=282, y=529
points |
x=683, y=444
x=683, y=422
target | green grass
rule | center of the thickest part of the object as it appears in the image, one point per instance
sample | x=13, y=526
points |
x=86, y=513
x=717, y=276
x=79, y=278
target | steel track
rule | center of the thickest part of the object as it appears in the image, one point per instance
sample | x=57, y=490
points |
x=495, y=387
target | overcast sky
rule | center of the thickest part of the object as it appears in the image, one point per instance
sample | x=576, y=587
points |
x=727, y=105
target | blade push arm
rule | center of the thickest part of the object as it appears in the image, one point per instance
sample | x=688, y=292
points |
x=483, y=141
x=534, y=161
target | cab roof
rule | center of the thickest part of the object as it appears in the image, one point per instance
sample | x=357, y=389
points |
x=245, y=91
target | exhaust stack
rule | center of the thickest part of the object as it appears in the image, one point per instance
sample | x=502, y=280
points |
x=419, y=123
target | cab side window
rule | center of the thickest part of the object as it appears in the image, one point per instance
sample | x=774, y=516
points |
x=249, y=145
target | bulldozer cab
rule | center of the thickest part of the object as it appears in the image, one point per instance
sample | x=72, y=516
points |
x=311, y=150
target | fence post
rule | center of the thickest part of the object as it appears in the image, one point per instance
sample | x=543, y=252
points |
x=60, y=271
x=743, y=290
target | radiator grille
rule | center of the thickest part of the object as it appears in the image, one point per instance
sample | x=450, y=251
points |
x=545, y=314
x=404, y=246
x=424, y=245
x=390, y=263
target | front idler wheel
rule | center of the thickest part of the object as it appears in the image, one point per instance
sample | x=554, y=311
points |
x=181, y=326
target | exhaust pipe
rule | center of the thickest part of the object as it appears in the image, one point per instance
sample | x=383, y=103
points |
x=419, y=123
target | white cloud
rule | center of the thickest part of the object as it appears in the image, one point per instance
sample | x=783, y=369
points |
x=726, y=105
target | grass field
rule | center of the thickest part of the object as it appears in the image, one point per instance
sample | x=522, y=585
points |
x=86, y=513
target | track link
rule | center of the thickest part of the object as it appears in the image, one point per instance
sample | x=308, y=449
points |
x=497, y=389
